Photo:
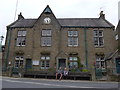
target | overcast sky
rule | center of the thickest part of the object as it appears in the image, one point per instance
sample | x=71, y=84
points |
x=60, y=8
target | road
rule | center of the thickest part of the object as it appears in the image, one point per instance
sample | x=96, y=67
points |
x=51, y=83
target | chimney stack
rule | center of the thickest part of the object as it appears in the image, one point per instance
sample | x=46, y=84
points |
x=102, y=15
x=20, y=16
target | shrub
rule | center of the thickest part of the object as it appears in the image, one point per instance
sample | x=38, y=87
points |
x=85, y=70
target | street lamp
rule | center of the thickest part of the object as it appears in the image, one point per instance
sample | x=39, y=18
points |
x=1, y=39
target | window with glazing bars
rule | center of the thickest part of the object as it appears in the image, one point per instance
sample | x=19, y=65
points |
x=98, y=38
x=73, y=62
x=46, y=37
x=72, y=38
x=19, y=61
x=21, y=38
x=100, y=61
x=45, y=62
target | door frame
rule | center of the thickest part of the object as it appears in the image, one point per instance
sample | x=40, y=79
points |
x=66, y=61
x=26, y=63
x=117, y=66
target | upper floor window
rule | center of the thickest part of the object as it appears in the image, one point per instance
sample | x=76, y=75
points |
x=72, y=38
x=46, y=32
x=21, y=38
x=116, y=37
x=46, y=37
x=98, y=38
x=21, y=33
x=72, y=33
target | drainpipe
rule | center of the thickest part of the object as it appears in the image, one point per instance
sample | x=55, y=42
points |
x=86, y=51
x=59, y=48
x=8, y=49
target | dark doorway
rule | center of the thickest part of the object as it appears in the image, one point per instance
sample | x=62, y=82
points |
x=28, y=64
x=62, y=63
x=118, y=65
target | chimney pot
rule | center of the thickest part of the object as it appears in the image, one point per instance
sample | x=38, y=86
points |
x=102, y=15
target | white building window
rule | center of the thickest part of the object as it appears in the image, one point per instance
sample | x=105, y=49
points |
x=19, y=61
x=116, y=37
x=21, y=38
x=46, y=38
x=100, y=61
x=46, y=32
x=72, y=33
x=46, y=41
x=35, y=62
x=72, y=38
x=98, y=38
x=73, y=62
x=45, y=61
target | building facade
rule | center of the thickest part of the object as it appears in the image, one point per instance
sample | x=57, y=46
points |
x=49, y=42
x=113, y=59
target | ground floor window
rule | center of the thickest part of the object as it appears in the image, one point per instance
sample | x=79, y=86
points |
x=100, y=61
x=19, y=61
x=45, y=64
x=45, y=61
x=73, y=62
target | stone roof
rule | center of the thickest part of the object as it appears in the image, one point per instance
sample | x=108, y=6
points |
x=66, y=22
x=85, y=22
x=23, y=23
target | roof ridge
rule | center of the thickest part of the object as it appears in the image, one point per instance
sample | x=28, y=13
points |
x=109, y=23
x=12, y=23
x=30, y=19
x=77, y=18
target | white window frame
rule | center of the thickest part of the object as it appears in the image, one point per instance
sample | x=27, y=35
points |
x=45, y=64
x=73, y=60
x=46, y=41
x=19, y=59
x=97, y=38
x=21, y=38
x=46, y=37
x=46, y=32
x=72, y=38
x=44, y=60
x=116, y=37
x=99, y=60
x=35, y=62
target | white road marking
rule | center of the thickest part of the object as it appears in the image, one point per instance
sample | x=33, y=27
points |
x=47, y=84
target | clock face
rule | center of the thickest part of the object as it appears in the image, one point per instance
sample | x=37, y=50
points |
x=47, y=20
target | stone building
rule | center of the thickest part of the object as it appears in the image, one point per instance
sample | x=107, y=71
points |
x=113, y=58
x=49, y=42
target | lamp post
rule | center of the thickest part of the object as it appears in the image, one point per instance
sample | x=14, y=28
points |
x=1, y=39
